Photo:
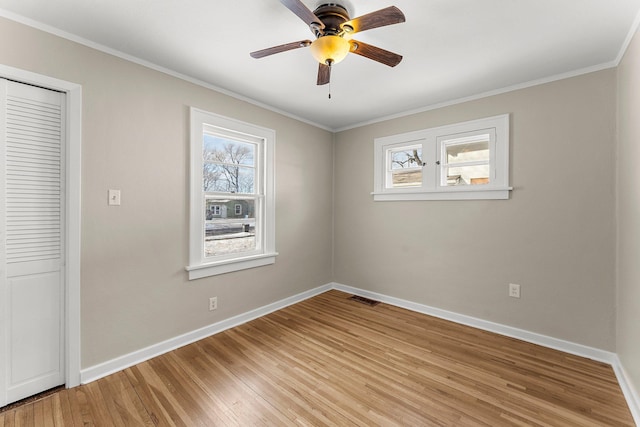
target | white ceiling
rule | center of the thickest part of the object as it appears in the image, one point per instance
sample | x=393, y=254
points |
x=452, y=49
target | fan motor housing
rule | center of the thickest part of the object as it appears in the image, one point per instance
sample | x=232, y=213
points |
x=332, y=15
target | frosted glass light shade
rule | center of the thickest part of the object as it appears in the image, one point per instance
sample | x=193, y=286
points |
x=329, y=49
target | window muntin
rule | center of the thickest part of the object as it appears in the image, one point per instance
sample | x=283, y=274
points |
x=468, y=160
x=232, y=221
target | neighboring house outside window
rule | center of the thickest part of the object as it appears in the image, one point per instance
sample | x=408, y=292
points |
x=468, y=160
x=232, y=223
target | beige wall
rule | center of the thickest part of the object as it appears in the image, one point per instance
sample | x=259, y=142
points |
x=628, y=205
x=135, y=290
x=555, y=236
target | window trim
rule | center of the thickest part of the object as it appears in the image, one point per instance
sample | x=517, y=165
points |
x=200, y=266
x=432, y=141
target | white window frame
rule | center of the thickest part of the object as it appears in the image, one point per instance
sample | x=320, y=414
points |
x=433, y=140
x=265, y=253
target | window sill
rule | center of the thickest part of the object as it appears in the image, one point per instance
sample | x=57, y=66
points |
x=227, y=266
x=496, y=193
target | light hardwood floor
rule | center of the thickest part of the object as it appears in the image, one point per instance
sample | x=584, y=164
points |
x=333, y=361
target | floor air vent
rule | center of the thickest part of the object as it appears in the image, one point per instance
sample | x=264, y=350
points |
x=363, y=300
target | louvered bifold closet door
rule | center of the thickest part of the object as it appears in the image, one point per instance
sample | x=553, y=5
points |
x=33, y=153
x=33, y=180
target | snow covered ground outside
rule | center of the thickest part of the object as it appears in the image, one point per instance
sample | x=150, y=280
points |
x=229, y=244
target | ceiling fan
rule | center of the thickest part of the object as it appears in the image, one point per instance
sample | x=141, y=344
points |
x=332, y=26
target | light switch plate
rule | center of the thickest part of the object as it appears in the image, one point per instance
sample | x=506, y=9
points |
x=114, y=197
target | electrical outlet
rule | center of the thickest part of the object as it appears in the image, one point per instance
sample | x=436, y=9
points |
x=514, y=290
x=213, y=303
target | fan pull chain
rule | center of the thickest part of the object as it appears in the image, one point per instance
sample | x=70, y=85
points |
x=330, y=63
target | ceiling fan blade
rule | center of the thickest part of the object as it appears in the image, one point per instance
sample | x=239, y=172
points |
x=377, y=54
x=387, y=16
x=324, y=74
x=303, y=12
x=282, y=48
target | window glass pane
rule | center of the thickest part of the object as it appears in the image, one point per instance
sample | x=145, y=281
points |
x=474, y=151
x=468, y=175
x=405, y=167
x=406, y=158
x=406, y=178
x=228, y=178
x=228, y=165
x=230, y=226
x=228, y=151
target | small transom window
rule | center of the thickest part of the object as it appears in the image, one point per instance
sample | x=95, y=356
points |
x=467, y=160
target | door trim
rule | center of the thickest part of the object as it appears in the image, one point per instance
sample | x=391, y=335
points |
x=73, y=179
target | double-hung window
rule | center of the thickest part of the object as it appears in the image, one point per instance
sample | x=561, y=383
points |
x=232, y=224
x=467, y=160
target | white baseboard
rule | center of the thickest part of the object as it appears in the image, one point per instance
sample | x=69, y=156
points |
x=629, y=391
x=630, y=394
x=118, y=364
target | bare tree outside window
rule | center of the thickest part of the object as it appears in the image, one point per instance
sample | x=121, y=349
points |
x=406, y=159
x=229, y=166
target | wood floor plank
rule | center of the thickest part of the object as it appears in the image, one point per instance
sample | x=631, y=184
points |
x=9, y=418
x=331, y=361
x=96, y=405
x=333, y=377
x=161, y=414
x=43, y=413
x=60, y=411
x=236, y=400
x=415, y=383
x=203, y=374
x=123, y=403
x=70, y=403
x=24, y=418
x=176, y=399
x=287, y=393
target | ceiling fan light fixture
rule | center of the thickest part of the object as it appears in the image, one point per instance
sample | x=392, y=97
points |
x=330, y=50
